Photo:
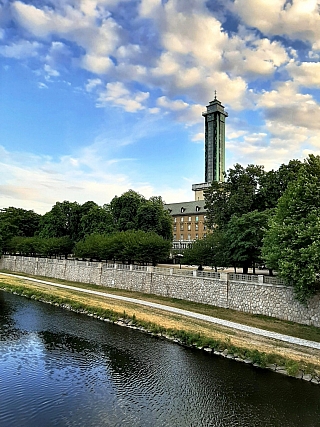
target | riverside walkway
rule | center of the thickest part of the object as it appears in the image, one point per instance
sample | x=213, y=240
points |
x=226, y=323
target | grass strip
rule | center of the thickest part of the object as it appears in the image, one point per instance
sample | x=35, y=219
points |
x=307, y=332
x=185, y=337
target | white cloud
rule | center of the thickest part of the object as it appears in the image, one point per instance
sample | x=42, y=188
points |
x=285, y=104
x=177, y=105
x=198, y=137
x=92, y=84
x=50, y=71
x=298, y=19
x=306, y=73
x=118, y=95
x=96, y=64
x=38, y=182
x=21, y=49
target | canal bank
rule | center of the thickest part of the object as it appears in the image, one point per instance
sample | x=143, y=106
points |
x=299, y=358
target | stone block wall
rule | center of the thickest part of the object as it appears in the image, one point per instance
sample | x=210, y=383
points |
x=273, y=300
x=257, y=298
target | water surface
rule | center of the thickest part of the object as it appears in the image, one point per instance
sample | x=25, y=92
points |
x=59, y=368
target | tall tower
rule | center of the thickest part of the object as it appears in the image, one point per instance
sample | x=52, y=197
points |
x=214, y=146
x=214, y=141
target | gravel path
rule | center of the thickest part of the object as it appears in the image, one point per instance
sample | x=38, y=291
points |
x=210, y=319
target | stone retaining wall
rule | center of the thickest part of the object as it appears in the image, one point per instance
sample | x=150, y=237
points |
x=222, y=291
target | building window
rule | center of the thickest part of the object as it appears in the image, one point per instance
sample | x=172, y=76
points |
x=197, y=236
x=181, y=219
x=174, y=228
x=204, y=234
x=183, y=209
x=197, y=227
x=197, y=208
x=189, y=219
x=181, y=236
x=175, y=219
x=189, y=227
x=181, y=227
x=204, y=227
x=174, y=237
x=189, y=236
x=197, y=218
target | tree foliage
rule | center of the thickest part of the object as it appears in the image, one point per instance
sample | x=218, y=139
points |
x=292, y=244
x=210, y=251
x=131, y=211
x=243, y=237
x=35, y=246
x=246, y=190
x=125, y=246
x=17, y=222
x=63, y=220
x=237, y=195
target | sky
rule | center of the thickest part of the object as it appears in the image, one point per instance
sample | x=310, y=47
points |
x=101, y=96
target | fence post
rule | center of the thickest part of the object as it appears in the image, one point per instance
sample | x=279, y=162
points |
x=260, y=278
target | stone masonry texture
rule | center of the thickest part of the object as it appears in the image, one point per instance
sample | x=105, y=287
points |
x=257, y=298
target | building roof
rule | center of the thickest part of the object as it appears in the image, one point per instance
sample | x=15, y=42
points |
x=186, y=208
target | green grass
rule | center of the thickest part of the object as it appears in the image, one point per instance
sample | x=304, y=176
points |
x=307, y=332
x=192, y=339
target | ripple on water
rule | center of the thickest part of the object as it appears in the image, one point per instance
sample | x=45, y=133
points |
x=62, y=369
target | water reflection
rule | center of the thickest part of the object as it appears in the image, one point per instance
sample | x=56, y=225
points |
x=63, y=369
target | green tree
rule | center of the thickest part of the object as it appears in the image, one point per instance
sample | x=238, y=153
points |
x=237, y=195
x=292, y=245
x=244, y=237
x=125, y=246
x=210, y=251
x=17, y=222
x=151, y=216
x=96, y=220
x=131, y=211
x=247, y=189
x=63, y=220
x=124, y=210
x=274, y=183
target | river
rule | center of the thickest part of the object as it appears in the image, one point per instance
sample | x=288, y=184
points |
x=59, y=368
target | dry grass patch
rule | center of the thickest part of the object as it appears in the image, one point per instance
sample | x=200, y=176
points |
x=169, y=321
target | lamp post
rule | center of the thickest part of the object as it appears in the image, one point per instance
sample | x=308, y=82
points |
x=179, y=256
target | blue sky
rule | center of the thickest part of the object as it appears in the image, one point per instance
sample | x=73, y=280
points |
x=100, y=96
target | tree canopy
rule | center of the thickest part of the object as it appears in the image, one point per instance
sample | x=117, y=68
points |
x=17, y=222
x=292, y=244
x=210, y=251
x=243, y=239
x=247, y=189
x=131, y=211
